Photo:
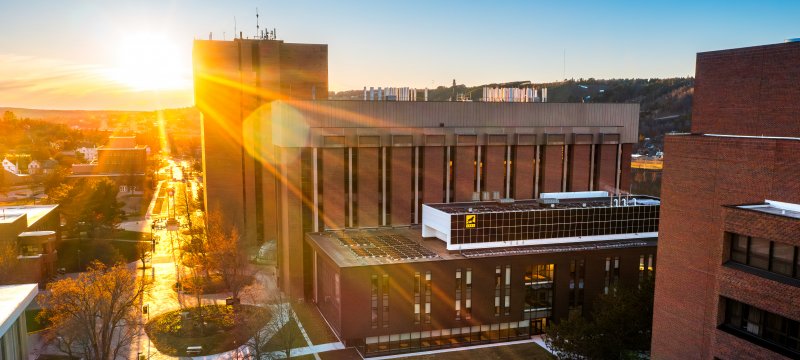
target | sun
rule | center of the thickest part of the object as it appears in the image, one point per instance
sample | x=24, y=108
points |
x=151, y=61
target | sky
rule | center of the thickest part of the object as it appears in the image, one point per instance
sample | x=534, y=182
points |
x=136, y=55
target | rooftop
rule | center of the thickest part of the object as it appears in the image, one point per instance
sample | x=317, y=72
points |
x=13, y=301
x=479, y=207
x=9, y=214
x=775, y=208
x=382, y=246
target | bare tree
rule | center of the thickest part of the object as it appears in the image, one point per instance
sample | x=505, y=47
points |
x=96, y=315
x=143, y=252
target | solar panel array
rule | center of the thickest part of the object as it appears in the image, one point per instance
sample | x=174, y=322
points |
x=381, y=245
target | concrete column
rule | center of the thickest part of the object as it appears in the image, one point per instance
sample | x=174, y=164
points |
x=537, y=165
x=564, y=174
x=447, y=167
x=416, y=183
x=315, y=210
x=508, y=171
x=350, y=186
x=619, y=165
x=478, y=170
x=591, y=168
x=383, y=185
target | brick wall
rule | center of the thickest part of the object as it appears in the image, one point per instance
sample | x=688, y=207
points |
x=748, y=91
x=701, y=174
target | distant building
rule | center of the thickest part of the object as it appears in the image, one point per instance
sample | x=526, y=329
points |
x=49, y=166
x=35, y=232
x=13, y=326
x=34, y=168
x=120, y=160
x=728, y=285
x=10, y=166
x=89, y=153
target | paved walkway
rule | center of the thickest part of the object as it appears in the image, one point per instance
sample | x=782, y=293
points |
x=465, y=348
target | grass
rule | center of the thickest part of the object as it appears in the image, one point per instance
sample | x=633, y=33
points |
x=105, y=251
x=528, y=351
x=289, y=335
x=224, y=330
x=315, y=326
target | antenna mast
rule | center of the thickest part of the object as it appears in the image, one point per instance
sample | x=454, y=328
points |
x=234, y=27
x=258, y=28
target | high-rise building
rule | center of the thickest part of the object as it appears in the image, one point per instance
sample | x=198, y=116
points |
x=280, y=160
x=728, y=285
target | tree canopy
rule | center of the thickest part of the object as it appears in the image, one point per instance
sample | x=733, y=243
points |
x=620, y=327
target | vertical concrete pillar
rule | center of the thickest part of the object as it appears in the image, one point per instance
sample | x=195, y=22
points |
x=291, y=222
x=383, y=186
x=315, y=179
x=368, y=197
x=508, y=172
x=448, y=169
x=565, y=167
x=350, y=187
x=416, y=185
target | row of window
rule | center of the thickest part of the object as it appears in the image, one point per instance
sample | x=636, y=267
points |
x=769, y=330
x=761, y=253
x=436, y=339
x=538, y=283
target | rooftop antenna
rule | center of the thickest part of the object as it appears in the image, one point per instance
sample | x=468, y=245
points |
x=234, y=27
x=258, y=32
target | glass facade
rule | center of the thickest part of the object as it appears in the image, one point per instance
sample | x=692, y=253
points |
x=538, y=291
x=445, y=338
x=554, y=223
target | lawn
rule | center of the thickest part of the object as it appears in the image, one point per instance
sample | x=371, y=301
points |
x=528, y=351
x=316, y=327
x=288, y=336
x=31, y=321
x=105, y=251
x=224, y=329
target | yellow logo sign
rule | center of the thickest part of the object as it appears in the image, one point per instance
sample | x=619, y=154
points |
x=471, y=221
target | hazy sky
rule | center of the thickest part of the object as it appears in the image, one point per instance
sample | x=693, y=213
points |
x=92, y=54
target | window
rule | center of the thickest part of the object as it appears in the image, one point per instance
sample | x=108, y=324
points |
x=427, y=297
x=612, y=273
x=458, y=294
x=468, y=300
x=538, y=291
x=645, y=266
x=764, y=254
x=385, y=290
x=417, y=285
x=507, y=299
x=497, y=281
x=374, y=294
x=577, y=270
x=763, y=328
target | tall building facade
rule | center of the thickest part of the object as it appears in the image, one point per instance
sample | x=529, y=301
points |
x=728, y=285
x=281, y=161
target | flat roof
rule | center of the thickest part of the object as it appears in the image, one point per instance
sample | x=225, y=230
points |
x=13, y=301
x=479, y=207
x=384, y=246
x=775, y=208
x=10, y=214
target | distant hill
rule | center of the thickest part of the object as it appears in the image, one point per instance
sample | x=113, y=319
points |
x=665, y=104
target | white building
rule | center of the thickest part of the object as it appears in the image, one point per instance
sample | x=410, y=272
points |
x=10, y=167
x=13, y=329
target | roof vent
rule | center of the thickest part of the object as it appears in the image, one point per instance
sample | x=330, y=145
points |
x=548, y=200
x=505, y=201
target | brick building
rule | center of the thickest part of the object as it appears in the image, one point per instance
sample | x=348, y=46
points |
x=280, y=160
x=479, y=272
x=34, y=231
x=728, y=285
